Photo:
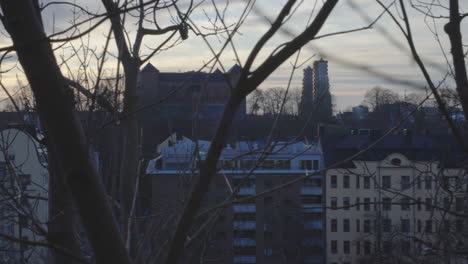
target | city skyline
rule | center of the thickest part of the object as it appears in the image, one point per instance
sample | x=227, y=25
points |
x=349, y=55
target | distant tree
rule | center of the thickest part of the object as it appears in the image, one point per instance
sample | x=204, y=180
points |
x=273, y=101
x=376, y=97
x=413, y=98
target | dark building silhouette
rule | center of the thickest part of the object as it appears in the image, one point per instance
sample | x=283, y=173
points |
x=187, y=95
x=307, y=99
x=316, y=95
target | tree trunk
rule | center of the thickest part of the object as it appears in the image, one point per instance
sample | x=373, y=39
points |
x=63, y=129
x=130, y=145
x=61, y=228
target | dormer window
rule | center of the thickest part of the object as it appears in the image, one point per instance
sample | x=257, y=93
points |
x=395, y=162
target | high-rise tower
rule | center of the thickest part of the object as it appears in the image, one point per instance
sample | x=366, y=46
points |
x=316, y=95
x=307, y=92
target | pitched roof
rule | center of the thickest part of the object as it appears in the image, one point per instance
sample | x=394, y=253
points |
x=149, y=68
x=235, y=69
x=415, y=147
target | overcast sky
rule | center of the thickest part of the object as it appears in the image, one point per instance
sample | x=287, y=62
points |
x=381, y=49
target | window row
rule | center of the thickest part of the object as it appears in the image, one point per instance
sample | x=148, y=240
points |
x=267, y=164
x=404, y=183
x=404, y=204
x=361, y=247
x=404, y=225
x=365, y=247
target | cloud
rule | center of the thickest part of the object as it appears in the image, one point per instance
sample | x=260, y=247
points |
x=370, y=48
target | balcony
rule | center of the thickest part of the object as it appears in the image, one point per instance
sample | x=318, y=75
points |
x=312, y=208
x=311, y=191
x=244, y=225
x=313, y=225
x=244, y=242
x=247, y=259
x=244, y=208
x=247, y=190
x=313, y=242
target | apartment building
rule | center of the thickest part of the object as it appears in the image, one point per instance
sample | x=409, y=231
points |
x=396, y=202
x=23, y=196
x=285, y=226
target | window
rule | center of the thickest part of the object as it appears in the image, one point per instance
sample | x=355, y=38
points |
x=305, y=164
x=418, y=201
x=358, y=225
x=346, y=203
x=427, y=182
x=367, y=226
x=428, y=228
x=366, y=182
x=367, y=204
x=268, y=235
x=334, y=203
x=428, y=204
x=268, y=200
x=315, y=165
x=334, y=225
x=405, y=225
x=387, y=204
x=447, y=203
x=459, y=204
x=358, y=248
x=346, y=247
x=346, y=225
x=395, y=162
x=333, y=181
x=268, y=252
x=25, y=180
x=334, y=246
x=358, y=204
x=346, y=181
x=268, y=183
x=367, y=247
x=358, y=184
x=405, y=182
x=419, y=224
x=386, y=182
x=418, y=183
x=268, y=164
x=405, y=204
x=386, y=225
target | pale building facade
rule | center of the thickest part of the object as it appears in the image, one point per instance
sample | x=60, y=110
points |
x=384, y=207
